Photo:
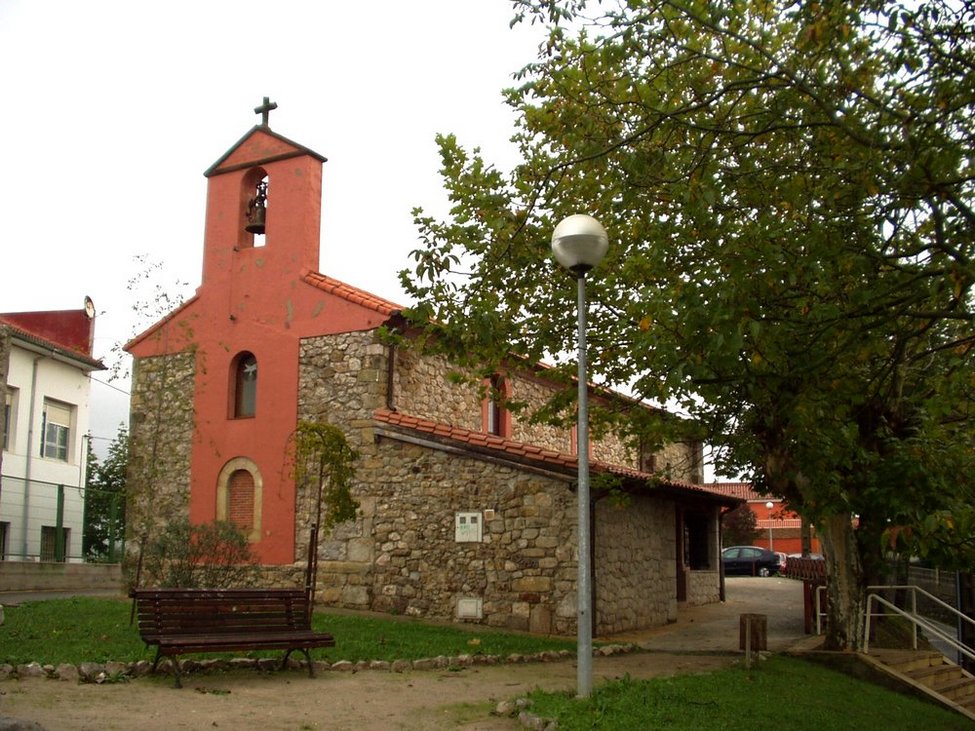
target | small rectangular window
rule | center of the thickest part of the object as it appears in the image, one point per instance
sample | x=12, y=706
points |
x=56, y=430
x=496, y=418
x=698, y=544
x=647, y=454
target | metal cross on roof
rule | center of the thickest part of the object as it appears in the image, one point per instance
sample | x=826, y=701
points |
x=265, y=110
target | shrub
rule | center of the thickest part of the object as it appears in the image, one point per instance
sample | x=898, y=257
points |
x=210, y=555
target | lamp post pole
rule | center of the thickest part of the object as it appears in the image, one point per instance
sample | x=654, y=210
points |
x=768, y=506
x=580, y=243
x=584, y=581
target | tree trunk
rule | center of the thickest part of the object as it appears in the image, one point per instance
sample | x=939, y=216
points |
x=845, y=587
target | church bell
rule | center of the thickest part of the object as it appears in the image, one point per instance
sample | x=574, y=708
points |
x=257, y=210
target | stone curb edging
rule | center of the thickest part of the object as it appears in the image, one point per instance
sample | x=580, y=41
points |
x=108, y=672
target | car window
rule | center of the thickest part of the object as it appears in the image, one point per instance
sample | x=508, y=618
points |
x=750, y=552
x=730, y=553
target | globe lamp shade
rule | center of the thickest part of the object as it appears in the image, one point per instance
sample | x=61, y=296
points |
x=579, y=243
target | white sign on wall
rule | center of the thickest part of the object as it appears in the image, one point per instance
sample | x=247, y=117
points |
x=470, y=608
x=467, y=527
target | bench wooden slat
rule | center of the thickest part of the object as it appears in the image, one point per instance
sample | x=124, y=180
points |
x=182, y=621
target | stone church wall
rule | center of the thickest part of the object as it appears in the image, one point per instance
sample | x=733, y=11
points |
x=161, y=435
x=703, y=587
x=401, y=555
x=341, y=381
x=635, y=567
x=423, y=388
x=520, y=574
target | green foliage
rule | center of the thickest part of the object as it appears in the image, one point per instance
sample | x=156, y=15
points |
x=104, y=533
x=788, y=192
x=324, y=463
x=210, y=556
x=739, y=527
x=781, y=692
x=153, y=300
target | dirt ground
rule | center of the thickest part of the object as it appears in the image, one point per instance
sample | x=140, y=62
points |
x=704, y=638
x=373, y=699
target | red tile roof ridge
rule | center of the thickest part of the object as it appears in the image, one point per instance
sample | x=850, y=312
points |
x=469, y=436
x=350, y=293
x=742, y=490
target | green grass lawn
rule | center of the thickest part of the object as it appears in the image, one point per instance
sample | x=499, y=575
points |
x=780, y=693
x=89, y=629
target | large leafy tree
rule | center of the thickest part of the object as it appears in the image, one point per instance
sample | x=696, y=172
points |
x=739, y=526
x=788, y=191
x=104, y=534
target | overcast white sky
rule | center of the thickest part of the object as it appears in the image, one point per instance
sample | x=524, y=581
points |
x=112, y=110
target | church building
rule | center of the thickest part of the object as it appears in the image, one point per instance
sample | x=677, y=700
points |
x=466, y=512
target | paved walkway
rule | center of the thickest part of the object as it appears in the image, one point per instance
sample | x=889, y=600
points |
x=715, y=627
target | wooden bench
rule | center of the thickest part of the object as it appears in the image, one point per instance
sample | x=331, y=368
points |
x=182, y=621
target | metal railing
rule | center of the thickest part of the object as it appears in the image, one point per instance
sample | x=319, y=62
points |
x=43, y=521
x=917, y=621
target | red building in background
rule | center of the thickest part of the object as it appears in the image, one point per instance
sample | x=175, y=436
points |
x=781, y=528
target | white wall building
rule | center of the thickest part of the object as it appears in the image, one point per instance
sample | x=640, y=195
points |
x=45, y=368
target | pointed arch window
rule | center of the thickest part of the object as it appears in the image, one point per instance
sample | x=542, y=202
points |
x=244, y=386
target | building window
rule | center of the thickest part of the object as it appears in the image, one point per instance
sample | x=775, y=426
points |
x=696, y=472
x=4, y=532
x=56, y=428
x=648, y=460
x=240, y=490
x=496, y=418
x=51, y=550
x=244, y=386
x=697, y=545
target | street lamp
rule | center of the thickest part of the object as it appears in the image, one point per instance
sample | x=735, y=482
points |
x=579, y=243
x=768, y=506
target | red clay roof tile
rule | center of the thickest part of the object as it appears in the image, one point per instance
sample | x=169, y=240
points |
x=350, y=293
x=523, y=451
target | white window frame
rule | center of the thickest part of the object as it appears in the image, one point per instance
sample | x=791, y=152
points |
x=56, y=430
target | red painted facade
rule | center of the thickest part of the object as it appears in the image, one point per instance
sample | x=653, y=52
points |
x=261, y=299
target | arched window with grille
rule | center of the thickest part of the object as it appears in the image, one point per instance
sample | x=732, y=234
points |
x=240, y=490
x=240, y=500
